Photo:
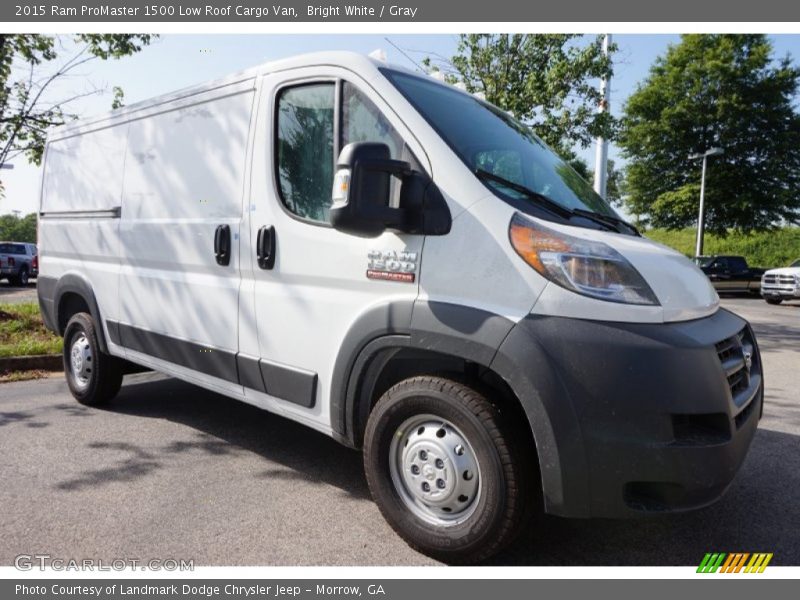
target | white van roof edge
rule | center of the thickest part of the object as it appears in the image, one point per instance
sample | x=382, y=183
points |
x=310, y=59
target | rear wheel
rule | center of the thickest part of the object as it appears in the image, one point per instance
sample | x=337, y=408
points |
x=92, y=376
x=773, y=300
x=23, y=276
x=445, y=471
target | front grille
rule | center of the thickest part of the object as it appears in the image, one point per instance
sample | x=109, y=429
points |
x=780, y=279
x=739, y=362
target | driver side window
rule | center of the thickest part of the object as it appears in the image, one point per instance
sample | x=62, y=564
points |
x=305, y=149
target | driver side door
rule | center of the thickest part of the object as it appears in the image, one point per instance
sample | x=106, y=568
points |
x=301, y=303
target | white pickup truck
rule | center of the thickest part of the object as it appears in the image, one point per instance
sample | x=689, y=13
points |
x=781, y=284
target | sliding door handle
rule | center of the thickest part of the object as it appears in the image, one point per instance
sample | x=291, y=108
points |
x=265, y=247
x=222, y=245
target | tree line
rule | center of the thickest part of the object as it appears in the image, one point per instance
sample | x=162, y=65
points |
x=14, y=228
x=727, y=91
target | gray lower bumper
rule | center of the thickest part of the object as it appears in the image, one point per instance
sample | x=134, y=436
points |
x=630, y=418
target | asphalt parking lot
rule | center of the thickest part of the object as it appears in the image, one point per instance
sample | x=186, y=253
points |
x=15, y=294
x=172, y=471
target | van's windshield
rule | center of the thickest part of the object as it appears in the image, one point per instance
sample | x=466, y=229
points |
x=490, y=141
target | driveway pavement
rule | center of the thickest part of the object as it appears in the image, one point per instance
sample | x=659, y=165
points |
x=169, y=470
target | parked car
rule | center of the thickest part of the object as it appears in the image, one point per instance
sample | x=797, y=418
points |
x=782, y=284
x=408, y=269
x=731, y=274
x=18, y=262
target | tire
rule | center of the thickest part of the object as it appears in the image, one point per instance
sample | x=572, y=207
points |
x=447, y=523
x=23, y=277
x=773, y=300
x=93, y=378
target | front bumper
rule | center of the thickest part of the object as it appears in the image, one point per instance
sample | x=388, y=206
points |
x=631, y=418
x=780, y=291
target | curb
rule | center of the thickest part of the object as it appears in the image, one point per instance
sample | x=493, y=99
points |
x=41, y=362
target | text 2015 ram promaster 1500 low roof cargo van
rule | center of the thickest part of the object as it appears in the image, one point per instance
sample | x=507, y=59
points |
x=406, y=268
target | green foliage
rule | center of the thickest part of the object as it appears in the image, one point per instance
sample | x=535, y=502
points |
x=767, y=249
x=18, y=229
x=707, y=91
x=22, y=332
x=29, y=64
x=614, y=181
x=547, y=81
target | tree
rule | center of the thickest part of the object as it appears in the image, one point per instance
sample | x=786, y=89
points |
x=614, y=179
x=548, y=81
x=715, y=90
x=18, y=229
x=29, y=66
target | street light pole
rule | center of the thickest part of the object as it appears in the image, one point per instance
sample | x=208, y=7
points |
x=701, y=217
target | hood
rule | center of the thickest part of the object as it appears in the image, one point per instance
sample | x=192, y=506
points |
x=784, y=271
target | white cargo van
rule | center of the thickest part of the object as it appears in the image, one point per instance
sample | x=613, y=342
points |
x=406, y=268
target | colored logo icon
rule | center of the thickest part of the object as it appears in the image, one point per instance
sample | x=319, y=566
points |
x=735, y=562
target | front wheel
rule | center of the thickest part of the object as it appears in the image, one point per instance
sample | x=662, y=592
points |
x=443, y=467
x=773, y=300
x=92, y=376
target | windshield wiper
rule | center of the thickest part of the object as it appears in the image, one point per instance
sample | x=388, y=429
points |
x=615, y=222
x=607, y=221
x=541, y=199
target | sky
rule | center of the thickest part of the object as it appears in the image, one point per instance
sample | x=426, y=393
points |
x=176, y=61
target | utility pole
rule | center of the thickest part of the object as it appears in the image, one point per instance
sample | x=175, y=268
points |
x=601, y=155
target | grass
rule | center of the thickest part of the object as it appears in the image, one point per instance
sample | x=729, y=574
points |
x=766, y=249
x=22, y=332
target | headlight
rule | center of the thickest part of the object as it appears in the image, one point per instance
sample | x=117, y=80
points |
x=590, y=268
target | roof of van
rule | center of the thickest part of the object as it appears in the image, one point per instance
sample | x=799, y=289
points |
x=349, y=60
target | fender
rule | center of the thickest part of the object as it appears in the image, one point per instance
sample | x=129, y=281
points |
x=51, y=291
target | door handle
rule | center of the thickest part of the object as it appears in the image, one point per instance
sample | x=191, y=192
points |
x=265, y=247
x=222, y=245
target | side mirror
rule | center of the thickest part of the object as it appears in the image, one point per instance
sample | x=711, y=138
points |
x=361, y=194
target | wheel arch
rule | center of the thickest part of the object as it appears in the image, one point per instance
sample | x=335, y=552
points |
x=438, y=333
x=73, y=293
